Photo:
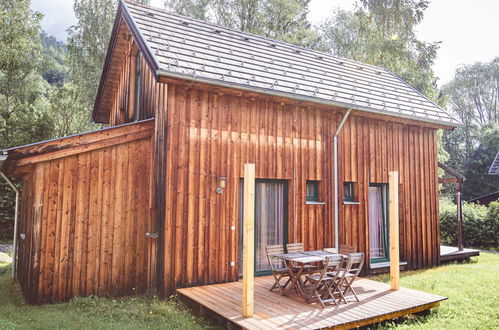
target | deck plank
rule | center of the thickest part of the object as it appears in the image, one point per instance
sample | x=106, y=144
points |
x=377, y=303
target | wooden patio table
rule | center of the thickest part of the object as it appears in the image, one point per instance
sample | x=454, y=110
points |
x=302, y=259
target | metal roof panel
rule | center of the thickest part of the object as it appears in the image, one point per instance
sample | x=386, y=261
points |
x=193, y=49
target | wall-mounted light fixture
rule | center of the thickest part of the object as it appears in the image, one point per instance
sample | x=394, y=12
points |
x=221, y=184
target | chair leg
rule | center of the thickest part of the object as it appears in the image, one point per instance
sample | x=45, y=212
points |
x=349, y=288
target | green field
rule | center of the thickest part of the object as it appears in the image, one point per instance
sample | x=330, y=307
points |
x=472, y=289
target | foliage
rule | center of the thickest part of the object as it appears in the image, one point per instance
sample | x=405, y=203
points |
x=382, y=33
x=53, y=67
x=22, y=105
x=93, y=313
x=474, y=96
x=480, y=224
x=471, y=288
x=87, y=45
x=284, y=20
x=68, y=115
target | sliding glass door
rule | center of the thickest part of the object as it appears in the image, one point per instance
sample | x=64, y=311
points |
x=378, y=223
x=270, y=220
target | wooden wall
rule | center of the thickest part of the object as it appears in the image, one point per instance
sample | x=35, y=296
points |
x=85, y=217
x=211, y=135
x=123, y=104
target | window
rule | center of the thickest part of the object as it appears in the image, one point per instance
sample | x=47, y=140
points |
x=348, y=194
x=312, y=191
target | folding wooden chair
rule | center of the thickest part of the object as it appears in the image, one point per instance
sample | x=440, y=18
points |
x=298, y=247
x=277, y=267
x=347, y=249
x=350, y=273
x=320, y=282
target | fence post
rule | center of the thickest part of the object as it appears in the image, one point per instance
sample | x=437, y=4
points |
x=248, y=239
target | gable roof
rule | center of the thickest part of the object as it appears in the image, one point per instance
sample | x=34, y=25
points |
x=185, y=48
x=494, y=168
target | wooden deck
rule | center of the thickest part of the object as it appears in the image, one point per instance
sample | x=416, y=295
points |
x=451, y=253
x=377, y=303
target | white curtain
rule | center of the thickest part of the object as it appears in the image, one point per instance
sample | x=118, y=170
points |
x=377, y=232
x=269, y=221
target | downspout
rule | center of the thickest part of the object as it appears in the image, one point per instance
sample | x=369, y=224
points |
x=14, y=243
x=336, y=201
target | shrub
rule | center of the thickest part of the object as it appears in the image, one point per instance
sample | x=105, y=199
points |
x=480, y=224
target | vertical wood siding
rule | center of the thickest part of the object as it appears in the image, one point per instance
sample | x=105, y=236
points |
x=210, y=135
x=85, y=217
x=122, y=110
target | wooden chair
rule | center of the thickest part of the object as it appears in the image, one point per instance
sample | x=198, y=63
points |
x=322, y=282
x=350, y=273
x=347, y=249
x=298, y=247
x=278, y=269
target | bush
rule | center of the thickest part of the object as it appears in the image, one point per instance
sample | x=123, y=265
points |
x=480, y=224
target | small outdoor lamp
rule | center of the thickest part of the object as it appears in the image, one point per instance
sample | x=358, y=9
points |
x=221, y=184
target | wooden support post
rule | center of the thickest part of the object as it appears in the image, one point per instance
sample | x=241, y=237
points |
x=394, y=231
x=459, y=218
x=248, y=239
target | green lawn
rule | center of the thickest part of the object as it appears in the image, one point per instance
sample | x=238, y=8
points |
x=472, y=289
x=91, y=313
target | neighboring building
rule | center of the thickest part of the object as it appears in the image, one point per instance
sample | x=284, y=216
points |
x=486, y=199
x=494, y=167
x=154, y=200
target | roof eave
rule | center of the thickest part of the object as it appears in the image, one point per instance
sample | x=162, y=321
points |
x=163, y=73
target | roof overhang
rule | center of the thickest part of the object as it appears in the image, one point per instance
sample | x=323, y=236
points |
x=167, y=74
x=13, y=160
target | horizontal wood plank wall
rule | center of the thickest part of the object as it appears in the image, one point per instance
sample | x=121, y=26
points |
x=85, y=217
x=211, y=135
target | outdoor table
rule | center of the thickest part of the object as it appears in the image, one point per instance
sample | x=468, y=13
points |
x=302, y=259
x=320, y=253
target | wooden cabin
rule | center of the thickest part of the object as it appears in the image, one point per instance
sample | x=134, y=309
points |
x=153, y=201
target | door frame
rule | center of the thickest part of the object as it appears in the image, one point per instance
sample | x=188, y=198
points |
x=385, y=209
x=285, y=219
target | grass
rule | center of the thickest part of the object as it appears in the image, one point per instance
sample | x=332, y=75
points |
x=91, y=313
x=472, y=289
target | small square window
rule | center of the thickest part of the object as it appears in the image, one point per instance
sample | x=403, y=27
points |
x=312, y=191
x=348, y=193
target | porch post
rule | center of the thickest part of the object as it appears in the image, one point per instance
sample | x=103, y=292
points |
x=459, y=217
x=248, y=239
x=394, y=231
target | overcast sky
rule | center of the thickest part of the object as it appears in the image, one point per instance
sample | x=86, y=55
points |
x=466, y=28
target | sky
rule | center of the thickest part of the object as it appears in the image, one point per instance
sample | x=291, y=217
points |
x=466, y=28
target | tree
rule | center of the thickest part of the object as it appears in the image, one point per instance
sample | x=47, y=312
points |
x=473, y=95
x=382, y=33
x=88, y=41
x=66, y=113
x=284, y=20
x=23, y=118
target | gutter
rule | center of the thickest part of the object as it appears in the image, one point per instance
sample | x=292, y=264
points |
x=336, y=199
x=3, y=158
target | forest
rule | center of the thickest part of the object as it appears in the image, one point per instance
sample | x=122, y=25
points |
x=48, y=86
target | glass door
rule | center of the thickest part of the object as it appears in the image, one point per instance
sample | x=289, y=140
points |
x=270, y=221
x=378, y=223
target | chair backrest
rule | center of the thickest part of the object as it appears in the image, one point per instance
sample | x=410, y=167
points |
x=271, y=251
x=335, y=261
x=331, y=250
x=324, y=268
x=294, y=247
x=355, y=263
x=347, y=249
